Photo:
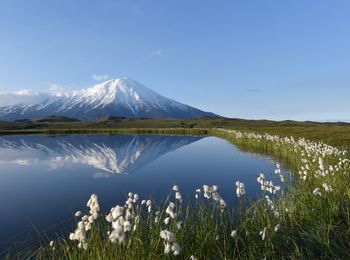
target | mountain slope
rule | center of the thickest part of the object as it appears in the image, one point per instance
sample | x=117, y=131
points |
x=118, y=97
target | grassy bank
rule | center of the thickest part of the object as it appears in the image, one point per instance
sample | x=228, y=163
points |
x=62, y=131
x=337, y=134
x=311, y=219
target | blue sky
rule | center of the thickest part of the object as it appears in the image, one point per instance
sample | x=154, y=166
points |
x=249, y=59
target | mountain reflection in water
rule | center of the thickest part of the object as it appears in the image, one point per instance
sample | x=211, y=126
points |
x=119, y=154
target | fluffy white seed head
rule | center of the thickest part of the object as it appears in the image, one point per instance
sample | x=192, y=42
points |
x=234, y=233
x=176, y=249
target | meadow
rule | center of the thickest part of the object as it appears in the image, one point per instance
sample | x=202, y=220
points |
x=307, y=218
x=337, y=134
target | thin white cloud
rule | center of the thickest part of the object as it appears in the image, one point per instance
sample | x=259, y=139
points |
x=99, y=77
x=22, y=97
x=156, y=53
x=56, y=89
x=30, y=97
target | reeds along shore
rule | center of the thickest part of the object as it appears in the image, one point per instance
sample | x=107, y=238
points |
x=310, y=219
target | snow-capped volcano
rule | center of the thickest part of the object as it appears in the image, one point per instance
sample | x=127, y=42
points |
x=117, y=97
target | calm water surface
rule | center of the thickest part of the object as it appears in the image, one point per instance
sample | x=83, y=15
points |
x=44, y=180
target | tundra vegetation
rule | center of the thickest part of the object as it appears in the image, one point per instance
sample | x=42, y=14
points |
x=308, y=217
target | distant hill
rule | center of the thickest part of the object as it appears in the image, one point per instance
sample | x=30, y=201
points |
x=111, y=118
x=55, y=119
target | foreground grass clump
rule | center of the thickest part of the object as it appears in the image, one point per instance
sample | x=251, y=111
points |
x=309, y=219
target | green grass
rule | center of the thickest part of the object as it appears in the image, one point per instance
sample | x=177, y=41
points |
x=337, y=134
x=312, y=227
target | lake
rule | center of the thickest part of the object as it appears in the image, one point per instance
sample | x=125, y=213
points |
x=45, y=179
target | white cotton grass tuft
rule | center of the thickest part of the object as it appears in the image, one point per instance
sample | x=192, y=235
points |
x=149, y=206
x=268, y=185
x=212, y=192
x=170, y=245
x=278, y=169
x=234, y=233
x=166, y=220
x=84, y=225
x=263, y=234
x=170, y=210
x=207, y=191
x=327, y=187
x=176, y=249
x=179, y=225
x=178, y=196
x=240, y=189
x=124, y=219
x=167, y=236
x=317, y=192
x=277, y=227
x=197, y=193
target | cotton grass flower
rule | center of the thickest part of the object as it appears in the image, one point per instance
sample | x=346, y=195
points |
x=167, y=236
x=234, y=233
x=178, y=196
x=167, y=248
x=263, y=234
x=278, y=169
x=176, y=249
x=240, y=189
x=124, y=219
x=222, y=205
x=167, y=220
x=198, y=192
x=277, y=227
x=267, y=185
x=212, y=192
x=207, y=191
x=86, y=222
x=317, y=192
x=170, y=210
x=327, y=187
x=281, y=178
x=175, y=188
x=93, y=205
x=169, y=242
x=149, y=206
x=179, y=225
x=156, y=219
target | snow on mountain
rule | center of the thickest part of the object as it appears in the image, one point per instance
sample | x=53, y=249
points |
x=116, y=97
